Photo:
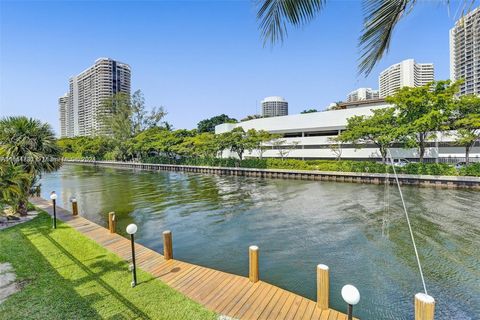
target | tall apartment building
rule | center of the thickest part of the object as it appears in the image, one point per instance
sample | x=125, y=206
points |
x=274, y=107
x=465, y=52
x=362, y=94
x=87, y=93
x=62, y=110
x=407, y=73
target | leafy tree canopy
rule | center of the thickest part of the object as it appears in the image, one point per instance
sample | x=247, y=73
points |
x=208, y=125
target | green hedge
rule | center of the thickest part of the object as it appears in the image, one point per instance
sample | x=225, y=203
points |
x=471, y=170
x=324, y=165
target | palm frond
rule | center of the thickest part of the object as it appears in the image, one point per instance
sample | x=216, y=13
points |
x=274, y=15
x=380, y=19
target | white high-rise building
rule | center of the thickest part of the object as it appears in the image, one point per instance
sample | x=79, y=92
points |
x=87, y=93
x=62, y=109
x=274, y=106
x=362, y=94
x=465, y=52
x=407, y=73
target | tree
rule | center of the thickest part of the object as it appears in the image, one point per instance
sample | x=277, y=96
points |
x=239, y=141
x=422, y=111
x=466, y=122
x=141, y=118
x=381, y=129
x=283, y=147
x=252, y=117
x=380, y=20
x=127, y=116
x=208, y=125
x=309, y=111
x=116, y=115
x=30, y=144
x=201, y=145
x=259, y=140
x=96, y=147
x=13, y=180
x=336, y=147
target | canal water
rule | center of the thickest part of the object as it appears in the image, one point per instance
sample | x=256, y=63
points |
x=358, y=230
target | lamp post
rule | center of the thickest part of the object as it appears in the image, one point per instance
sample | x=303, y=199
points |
x=53, y=196
x=131, y=230
x=351, y=296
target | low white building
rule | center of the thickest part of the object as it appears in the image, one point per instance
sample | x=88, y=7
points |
x=309, y=136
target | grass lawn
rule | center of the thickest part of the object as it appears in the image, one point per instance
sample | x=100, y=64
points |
x=65, y=275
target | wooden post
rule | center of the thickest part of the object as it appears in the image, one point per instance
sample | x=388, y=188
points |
x=111, y=222
x=74, y=207
x=167, y=245
x=424, y=307
x=323, y=286
x=253, y=263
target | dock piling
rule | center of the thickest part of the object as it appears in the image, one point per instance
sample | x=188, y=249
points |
x=323, y=286
x=74, y=207
x=253, y=263
x=111, y=222
x=167, y=245
x=424, y=307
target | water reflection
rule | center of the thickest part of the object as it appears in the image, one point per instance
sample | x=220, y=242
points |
x=298, y=224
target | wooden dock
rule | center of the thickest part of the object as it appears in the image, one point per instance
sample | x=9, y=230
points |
x=224, y=293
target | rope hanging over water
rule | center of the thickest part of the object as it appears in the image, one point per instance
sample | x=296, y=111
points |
x=408, y=222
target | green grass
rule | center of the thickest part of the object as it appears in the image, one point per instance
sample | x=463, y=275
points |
x=65, y=275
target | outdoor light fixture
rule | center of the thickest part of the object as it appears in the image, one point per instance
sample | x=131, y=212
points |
x=53, y=196
x=131, y=230
x=351, y=296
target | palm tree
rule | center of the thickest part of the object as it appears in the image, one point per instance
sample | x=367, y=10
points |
x=30, y=144
x=380, y=19
x=12, y=183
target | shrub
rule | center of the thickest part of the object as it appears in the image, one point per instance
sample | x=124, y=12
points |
x=323, y=165
x=472, y=169
x=441, y=169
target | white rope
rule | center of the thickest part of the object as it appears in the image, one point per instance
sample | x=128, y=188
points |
x=408, y=222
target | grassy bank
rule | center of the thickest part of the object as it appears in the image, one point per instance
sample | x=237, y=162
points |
x=326, y=165
x=65, y=275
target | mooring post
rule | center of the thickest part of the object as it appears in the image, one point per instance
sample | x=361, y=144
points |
x=323, y=286
x=167, y=245
x=424, y=307
x=74, y=207
x=253, y=263
x=111, y=222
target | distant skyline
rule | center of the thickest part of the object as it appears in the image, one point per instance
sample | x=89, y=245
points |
x=199, y=59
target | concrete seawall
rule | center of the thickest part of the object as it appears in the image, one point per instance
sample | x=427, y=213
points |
x=354, y=177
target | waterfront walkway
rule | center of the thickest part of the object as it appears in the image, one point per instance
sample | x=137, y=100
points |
x=227, y=294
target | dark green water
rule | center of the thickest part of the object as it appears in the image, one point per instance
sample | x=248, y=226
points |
x=298, y=224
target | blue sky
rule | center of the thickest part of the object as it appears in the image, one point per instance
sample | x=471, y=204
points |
x=199, y=58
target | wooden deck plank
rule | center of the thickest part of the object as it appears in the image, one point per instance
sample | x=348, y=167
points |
x=309, y=310
x=301, y=310
x=275, y=302
x=222, y=298
x=227, y=294
x=250, y=302
x=256, y=311
x=216, y=283
x=238, y=302
x=294, y=308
